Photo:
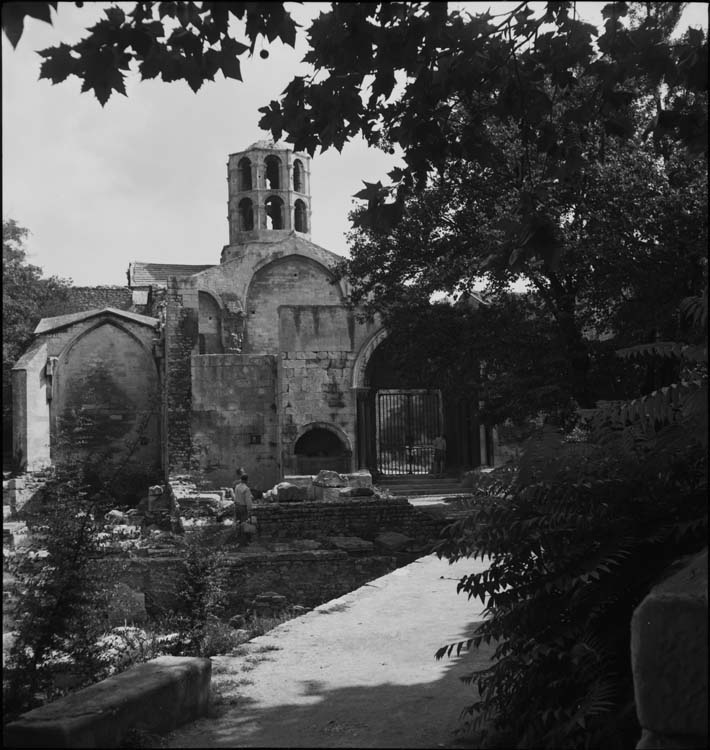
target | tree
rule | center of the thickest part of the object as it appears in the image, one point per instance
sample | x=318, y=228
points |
x=616, y=274
x=26, y=297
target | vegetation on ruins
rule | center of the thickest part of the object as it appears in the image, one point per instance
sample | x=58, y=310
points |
x=63, y=596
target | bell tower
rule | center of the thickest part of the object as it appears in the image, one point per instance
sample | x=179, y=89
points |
x=269, y=193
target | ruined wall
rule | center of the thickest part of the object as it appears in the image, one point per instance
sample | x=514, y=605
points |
x=268, y=300
x=294, y=280
x=181, y=329
x=82, y=298
x=97, y=372
x=234, y=419
x=318, y=345
x=365, y=518
x=30, y=409
x=308, y=578
x=106, y=399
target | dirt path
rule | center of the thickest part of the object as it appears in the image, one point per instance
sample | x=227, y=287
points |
x=358, y=671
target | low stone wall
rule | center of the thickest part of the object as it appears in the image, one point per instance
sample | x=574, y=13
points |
x=669, y=657
x=155, y=697
x=308, y=578
x=364, y=517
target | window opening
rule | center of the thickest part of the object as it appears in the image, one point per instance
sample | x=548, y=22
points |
x=274, y=213
x=301, y=219
x=273, y=171
x=244, y=167
x=246, y=215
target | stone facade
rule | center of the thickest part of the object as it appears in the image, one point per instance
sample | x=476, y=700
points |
x=88, y=383
x=259, y=362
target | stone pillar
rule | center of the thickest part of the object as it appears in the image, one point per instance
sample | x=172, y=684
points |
x=365, y=447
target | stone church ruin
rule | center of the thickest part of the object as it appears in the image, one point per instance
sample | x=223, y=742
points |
x=190, y=373
x=255, y=361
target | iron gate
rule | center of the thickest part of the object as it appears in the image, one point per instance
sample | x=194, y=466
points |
x=407, y=423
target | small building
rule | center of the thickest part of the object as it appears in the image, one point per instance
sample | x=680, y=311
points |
x=254, y=362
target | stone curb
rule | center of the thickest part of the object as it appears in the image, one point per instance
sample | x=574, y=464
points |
x=157, y=696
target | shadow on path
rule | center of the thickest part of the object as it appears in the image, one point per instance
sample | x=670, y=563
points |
x=374, y=715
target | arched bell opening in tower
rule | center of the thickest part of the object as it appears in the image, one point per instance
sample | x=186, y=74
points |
x=244, y=174
x=300, y=216
x=246, y=215
x=274, y=212
x=273, y=172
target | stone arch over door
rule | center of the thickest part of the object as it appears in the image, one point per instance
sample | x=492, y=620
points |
x=398, y=415
x=290, y=280
x=105, y=405
x=321, y=445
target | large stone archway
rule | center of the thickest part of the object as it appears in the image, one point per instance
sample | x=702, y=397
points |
x=399, y=415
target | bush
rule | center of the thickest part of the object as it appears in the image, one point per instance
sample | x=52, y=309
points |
x=204, y=598
x=575, y=540
x=64, y=598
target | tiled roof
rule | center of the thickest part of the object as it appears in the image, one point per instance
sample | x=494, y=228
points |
x=60, y=321
x=156, y=274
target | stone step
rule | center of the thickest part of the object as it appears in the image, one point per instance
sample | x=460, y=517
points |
x=432, y=492
x=418, y=480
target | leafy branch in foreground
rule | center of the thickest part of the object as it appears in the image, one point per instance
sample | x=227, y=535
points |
x=571, y=557
x=576, y=539
x=174, y=40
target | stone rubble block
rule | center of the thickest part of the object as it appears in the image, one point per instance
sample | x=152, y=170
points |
x=347, y=492
x=287, y=492
x=361, y=478
x=327, y=494
x=327, y=478
x=206, y=505
x=351, y=544
x=303, y=480
x=156, y=696
x=393, y=541
x=669, y=658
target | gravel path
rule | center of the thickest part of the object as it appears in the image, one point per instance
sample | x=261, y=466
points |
x=358, y=671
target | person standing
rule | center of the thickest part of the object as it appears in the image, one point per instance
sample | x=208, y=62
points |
x=243, y=504
x=439, y=454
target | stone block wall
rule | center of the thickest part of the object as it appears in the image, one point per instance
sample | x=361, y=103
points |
x=234, y=419
x=308, y=578
x=292, y=280
x=669, y=658
x=180, y=338
x=318, y=346
x=81, y=298
x=99, y=369
x=364, y=518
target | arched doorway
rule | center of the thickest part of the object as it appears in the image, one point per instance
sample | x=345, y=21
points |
x=321, y=447
x=399, y=415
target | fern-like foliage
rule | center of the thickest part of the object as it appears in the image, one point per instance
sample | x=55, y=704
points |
x=576, y=537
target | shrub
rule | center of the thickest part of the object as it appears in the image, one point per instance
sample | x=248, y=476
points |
x=576, y=538
x=204, y=598
x=575, y=541
x=64, y=599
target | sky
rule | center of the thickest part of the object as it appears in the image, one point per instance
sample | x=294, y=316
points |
x=144, y=178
